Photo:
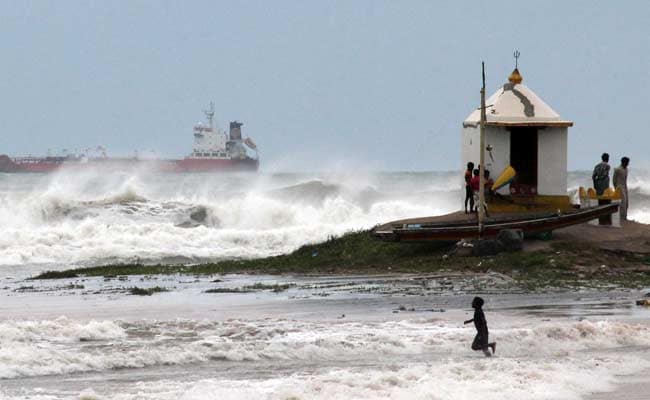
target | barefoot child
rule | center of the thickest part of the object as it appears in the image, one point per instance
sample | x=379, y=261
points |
x=481, y=339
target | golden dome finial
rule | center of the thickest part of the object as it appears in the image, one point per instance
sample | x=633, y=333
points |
x=515, y=77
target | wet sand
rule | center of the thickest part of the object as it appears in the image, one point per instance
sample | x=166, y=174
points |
x=632, y=237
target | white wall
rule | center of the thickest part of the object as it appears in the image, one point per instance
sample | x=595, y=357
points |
x=210, y=141
x=499, y=139
x=552, y=161
x=469, y=152
x=469, y=146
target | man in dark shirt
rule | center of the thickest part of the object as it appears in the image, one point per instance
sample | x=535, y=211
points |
x=481, y=339
x=600, y=176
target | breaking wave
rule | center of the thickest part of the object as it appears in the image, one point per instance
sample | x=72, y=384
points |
x=507, y=380
x=89, y=218
x=534, y=362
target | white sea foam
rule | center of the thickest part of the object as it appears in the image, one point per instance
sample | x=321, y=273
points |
x=34, y=348
x=419, y=359
x=641, y=215
x=90, y=218
x=496, y=379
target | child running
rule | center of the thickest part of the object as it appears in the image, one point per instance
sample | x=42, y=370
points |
x=481, y=339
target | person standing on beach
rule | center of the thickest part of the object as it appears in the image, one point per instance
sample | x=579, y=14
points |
x=620, y=183
x=600, y=176
x=469, y=193
x=481, y=340
x=474, y=183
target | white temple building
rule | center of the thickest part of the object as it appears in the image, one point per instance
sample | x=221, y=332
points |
x=524, y=132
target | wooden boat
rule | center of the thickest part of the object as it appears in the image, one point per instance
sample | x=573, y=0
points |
x=458, y=226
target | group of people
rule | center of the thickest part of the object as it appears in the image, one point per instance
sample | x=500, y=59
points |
x=600, y=177
x=473, y=184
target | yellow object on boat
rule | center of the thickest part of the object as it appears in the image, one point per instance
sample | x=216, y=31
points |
x=504, y=178
x=582, y=192
x=610, y=193
x=618, y=194
x=591, y=193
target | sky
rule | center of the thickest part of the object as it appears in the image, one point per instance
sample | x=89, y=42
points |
x=382, y=85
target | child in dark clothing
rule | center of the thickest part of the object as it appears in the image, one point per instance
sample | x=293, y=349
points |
x=481, y=339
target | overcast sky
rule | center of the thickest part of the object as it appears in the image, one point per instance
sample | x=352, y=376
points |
x=318, y=84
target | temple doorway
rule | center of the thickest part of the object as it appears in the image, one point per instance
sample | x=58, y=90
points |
x=523, y=158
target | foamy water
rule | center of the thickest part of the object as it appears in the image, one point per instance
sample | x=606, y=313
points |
x=62, y=346
x=91, y=218
x=378, y=356
x=53, y=221
x=327, y=338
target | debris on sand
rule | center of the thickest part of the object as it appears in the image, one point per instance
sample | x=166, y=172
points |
x=643, y=302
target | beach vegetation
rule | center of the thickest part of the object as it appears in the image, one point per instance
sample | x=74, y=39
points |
x=137, y=291
x=556, y=264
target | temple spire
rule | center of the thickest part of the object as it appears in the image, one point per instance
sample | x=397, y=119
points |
x=515, y=77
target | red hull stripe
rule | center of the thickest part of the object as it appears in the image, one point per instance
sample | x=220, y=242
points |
x=185, y=165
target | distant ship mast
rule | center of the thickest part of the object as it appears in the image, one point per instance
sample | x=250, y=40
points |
x=210, y=114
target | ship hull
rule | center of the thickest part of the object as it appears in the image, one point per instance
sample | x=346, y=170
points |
x=208, y=165
x=186, y=165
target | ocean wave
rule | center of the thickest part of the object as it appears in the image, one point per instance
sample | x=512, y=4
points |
x=496, y=379
x=34, y=348
x=86, y=218
x=89, y=219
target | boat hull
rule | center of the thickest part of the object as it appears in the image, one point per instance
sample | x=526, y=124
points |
x=451, y=230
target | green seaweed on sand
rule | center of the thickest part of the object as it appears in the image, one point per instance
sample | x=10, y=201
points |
x=113, y=270
x=277, y=288
x=227, y=290
x=70, y=273
x=137, y=291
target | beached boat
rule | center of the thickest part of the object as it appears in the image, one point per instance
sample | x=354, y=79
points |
x=457, y=226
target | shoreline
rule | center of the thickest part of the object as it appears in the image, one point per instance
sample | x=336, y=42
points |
x=578, y=256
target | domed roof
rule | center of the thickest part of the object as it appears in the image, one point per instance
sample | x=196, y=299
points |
x=515, y=104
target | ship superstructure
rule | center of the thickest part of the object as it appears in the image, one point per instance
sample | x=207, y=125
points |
x=212, y=150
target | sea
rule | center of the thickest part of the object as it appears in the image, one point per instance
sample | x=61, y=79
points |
x=316, y=337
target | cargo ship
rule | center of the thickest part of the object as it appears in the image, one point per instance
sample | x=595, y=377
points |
x=213, y=151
